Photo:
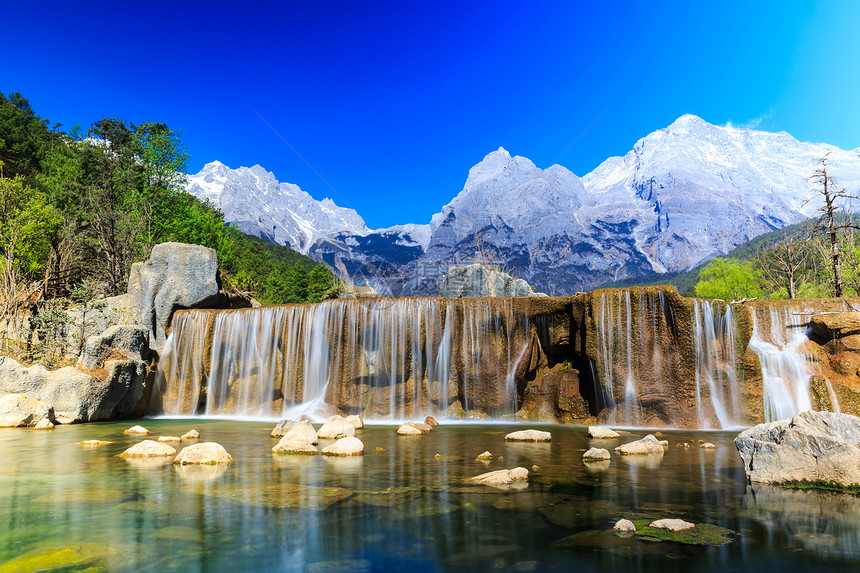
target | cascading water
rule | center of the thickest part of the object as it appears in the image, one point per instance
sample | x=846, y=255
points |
x=385, y=358
x=785, y=369
x=717, y=389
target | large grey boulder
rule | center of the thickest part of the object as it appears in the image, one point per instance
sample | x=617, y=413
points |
x=813, y=447
x=114, y=392
x=124, y=342
x=176, y=276
x=17, y=410
x=475, y=280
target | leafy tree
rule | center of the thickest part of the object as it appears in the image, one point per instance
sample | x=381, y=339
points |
x=26, y=220
x=729, y=279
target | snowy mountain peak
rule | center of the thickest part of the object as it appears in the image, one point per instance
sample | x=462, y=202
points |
x=255, y=201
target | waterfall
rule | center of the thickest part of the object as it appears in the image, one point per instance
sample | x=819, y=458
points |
x=785, y=369
x=383, y=358
x=717, y=389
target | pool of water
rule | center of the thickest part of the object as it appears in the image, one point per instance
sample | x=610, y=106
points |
x=404, y=507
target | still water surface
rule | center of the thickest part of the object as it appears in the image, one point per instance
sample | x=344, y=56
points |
x=64, y=503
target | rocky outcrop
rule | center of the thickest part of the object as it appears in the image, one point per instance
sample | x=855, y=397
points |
x=17, y=410
x=812, y=447
x=176, y=276
x=114, y=391
x=476, y=280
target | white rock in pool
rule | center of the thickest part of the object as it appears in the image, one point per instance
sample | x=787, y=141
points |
x=136, y=430
x=348, y=446
x=672, y=524
x=502, y=477
x=624, y=525
x=148, y=449
x=529, y=436
x=205, y=453
x=335, y=427
x=647, y=445
x=601, y=433
x=595, y=454
x=356, y=421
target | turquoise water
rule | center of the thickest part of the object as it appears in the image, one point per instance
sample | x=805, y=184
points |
x=401, y=509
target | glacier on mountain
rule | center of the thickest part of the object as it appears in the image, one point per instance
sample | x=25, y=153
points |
x=683, y=195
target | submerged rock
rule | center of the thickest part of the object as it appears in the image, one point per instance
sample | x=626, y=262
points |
x=93, y=443
x=595, y=455
x=601, y=433
x=335, y=427
x=16, y=410
x=812, y=447
x=282, y=428
x=672, y=524
x=349, y=446
x=205, y=453
x=136, y=430
x=708, y=446
x=647, y=445
x=355, y=420
x=624, y=525
x=486, y=456
x=501, y=477
x=529, y=436
x=148, y=449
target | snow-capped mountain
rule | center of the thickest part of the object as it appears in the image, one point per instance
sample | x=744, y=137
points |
x=254, y=201
x=681, y=196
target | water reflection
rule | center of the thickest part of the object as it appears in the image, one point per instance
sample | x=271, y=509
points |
x=404, y=508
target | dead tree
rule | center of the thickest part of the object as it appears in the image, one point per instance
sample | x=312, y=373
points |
x=829, y=222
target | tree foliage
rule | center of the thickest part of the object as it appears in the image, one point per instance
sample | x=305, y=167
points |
x=78, y=208
x=729, y=279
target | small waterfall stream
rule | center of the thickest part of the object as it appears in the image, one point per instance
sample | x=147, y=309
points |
x=717, y=389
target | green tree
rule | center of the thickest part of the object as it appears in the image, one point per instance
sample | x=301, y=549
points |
x=729, y=279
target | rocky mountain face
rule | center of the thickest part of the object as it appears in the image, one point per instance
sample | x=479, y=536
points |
x=681, y=196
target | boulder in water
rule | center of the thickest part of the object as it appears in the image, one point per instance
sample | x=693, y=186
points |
x=348, y=446
x=672, y=524
x=529, y=436
x=17, y=410
x=812, y=447
x=485, y=457
x=335, y=427
x=431, y=421
x=708, y=446
x=204, y=453
x=44, y=424
x=355, y=420
x=94, y=443
x=601, y=433
x=168, y=439
x=408, y=429
x=136, y=430
x=595, y=455
x=301, y=432
x=647, y=445
x=282, y=428
x=501, y=477
x=190, y=435
x=286, y=446
x=624, y=526
x=148, y=449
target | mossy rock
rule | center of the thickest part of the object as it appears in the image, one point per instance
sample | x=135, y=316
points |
x=178, y=533
x=701, y=534
x=87, y=496
x=89, y=557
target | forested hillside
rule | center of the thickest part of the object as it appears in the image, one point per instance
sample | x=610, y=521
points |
x=79, y=206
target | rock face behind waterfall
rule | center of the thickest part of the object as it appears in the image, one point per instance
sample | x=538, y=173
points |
x=643, y=356
x=812, y=447
x=476, y=280
x=175, y=276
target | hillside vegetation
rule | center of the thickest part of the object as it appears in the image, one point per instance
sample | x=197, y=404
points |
x=80, y=206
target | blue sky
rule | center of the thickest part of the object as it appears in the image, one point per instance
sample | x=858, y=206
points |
x=385, y=106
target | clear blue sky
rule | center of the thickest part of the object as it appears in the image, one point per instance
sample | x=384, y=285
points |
x=391, y=104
